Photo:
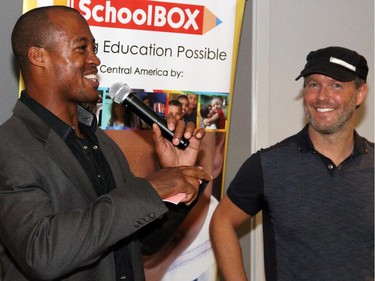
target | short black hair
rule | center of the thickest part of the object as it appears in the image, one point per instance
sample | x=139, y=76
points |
x=34, y=28
x=175, y=103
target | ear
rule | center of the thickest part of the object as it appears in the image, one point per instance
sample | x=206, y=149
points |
x=362, y=94
x=37, y=56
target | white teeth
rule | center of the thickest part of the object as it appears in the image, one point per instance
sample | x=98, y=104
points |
x=325, y=109
x=91, y=77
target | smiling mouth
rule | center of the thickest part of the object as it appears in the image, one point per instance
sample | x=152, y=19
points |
x=92, y=77
x=324, y=109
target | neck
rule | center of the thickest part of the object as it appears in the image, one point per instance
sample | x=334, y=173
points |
x=67, y=112
x=337, y=146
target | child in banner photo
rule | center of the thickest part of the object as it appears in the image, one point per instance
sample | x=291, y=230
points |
x=206, y=113
x=213, y=112
x=175, y=108
x=191, y=115
x=184, y=100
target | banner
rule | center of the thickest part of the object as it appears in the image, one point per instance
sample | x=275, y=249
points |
x=178, y=56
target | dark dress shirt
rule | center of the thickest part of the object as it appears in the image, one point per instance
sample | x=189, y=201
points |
x=90, y=156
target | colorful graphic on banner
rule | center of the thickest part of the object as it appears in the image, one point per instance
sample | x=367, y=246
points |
x=178, y=57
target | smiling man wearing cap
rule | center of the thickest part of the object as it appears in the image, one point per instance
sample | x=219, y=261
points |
x=315, y=188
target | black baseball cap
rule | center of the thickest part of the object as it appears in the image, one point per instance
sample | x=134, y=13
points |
x=339, y=63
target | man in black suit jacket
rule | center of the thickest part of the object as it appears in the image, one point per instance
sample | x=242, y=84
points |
x=70, y=208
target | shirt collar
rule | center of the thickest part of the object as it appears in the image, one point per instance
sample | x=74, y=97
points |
x=305, y=144
x=60, y=127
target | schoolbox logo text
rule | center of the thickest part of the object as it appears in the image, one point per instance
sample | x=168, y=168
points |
x=148, y=15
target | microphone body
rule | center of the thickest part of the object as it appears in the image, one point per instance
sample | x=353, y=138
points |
x=121, y=94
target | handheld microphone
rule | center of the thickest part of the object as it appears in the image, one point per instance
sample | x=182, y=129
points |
x=122, y=94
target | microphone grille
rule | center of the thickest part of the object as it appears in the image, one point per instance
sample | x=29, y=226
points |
x=118, y=91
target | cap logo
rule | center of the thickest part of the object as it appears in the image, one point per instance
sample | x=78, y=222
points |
x=342, y=63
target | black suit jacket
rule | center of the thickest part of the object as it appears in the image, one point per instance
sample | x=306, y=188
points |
x=52, y=224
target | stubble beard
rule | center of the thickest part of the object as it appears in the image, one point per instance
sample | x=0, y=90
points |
x=342, y=119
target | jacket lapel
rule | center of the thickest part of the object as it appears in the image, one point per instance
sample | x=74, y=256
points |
x=108, y=151
x=66, y=160
x=57, y=149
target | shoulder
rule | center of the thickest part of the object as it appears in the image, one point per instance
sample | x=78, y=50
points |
x=23, y=127
x=286, y=143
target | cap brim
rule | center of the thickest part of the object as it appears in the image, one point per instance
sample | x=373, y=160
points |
x=330, y=70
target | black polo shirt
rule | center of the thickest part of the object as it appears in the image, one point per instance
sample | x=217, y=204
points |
x=318, y=218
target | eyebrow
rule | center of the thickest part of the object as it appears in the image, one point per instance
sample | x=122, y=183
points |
x=82, y=39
